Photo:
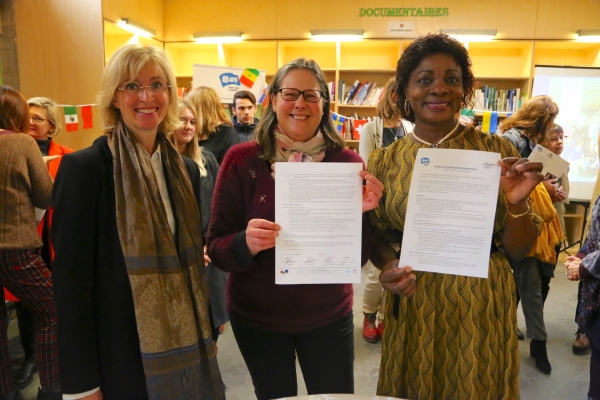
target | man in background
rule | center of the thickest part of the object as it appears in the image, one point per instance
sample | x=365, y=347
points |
x=244, y=108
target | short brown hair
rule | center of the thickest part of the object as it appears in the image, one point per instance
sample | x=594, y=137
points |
x=244, y=94
x=14, y=113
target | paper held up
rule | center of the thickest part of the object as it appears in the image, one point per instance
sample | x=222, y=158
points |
x=451, y=210
x=553, y=163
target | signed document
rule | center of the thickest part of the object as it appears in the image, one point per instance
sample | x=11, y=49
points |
x=451, y=210
x=553, y=163
x=319, y=209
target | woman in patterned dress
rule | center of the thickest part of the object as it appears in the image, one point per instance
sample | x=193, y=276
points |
x=448, y=336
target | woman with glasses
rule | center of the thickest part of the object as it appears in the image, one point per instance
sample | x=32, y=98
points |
x=533, y=123
x=25, y=184
x=215, y=131
x=274, y=323
x=44, y=125
x=129, y=277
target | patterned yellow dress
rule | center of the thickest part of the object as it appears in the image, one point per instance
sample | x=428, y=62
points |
x=456, y=337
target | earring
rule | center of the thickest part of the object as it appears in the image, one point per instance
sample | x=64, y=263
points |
x=407, y=107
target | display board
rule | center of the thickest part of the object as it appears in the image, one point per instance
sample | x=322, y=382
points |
x=226, y=81
x=576, y=90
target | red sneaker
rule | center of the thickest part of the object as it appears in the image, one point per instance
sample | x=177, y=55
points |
x=221, y=329
x=370, y=331
x=380, y=329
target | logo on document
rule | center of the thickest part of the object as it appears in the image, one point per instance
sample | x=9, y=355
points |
x=488, y=165
x=539, y=148
x=425, y=161
x=284, y=271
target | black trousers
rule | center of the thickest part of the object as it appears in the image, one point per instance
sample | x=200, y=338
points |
x=325, y=355
x=592, y=331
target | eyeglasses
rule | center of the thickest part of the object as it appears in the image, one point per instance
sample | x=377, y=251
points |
x=37, y=120
x=134, y=88
x=311, y=95
x=557, y=138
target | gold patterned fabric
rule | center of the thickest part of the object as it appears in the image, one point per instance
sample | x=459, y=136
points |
x=456, y=337
x=166, y=272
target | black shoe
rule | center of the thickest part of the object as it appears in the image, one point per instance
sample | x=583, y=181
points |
x=537, y=350
x=25, y=374
x=520, y=335
x=14, y=395
x=50, y=393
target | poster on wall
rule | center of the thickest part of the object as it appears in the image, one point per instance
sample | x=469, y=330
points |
x=226, y=81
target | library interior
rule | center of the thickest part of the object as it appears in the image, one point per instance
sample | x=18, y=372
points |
x=59, y=48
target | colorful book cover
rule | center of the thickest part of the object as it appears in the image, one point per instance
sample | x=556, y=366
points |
x=351, y=92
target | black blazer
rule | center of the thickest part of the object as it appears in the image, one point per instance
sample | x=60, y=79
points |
x=97, y=333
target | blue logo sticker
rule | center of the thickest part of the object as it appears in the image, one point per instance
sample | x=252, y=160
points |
x=425, y=161
x=229, y=78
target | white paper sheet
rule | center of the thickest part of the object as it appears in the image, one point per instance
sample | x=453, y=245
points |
x=553, y=163
x=319, y=209
x=451, y=210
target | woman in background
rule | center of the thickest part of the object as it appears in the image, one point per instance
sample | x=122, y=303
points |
x=185, y=140
x=26, y=184
x=533, y=123
x=44, y=124
x=129, y=277
x=384, y=130
x=215, y=131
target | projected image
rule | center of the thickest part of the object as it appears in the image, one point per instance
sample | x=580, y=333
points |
x=577, y=93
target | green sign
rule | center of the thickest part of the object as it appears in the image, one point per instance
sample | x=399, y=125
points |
x=403, y=12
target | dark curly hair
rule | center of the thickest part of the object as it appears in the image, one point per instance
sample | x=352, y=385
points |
x=423, y=47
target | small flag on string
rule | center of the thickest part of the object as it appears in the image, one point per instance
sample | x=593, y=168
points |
x=338, y=121
x=485, y=123
x=358, y=123
x=86, y=116
x=71, y=118
x=249, y=77
x=264, y=98
x=466, y=116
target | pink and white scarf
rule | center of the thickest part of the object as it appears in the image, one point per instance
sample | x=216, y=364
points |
x=290, y=150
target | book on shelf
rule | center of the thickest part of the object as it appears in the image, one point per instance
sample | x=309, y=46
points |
x=489, y=98
x=351, y=91
x=331, y=86
x=361, y=93
x=341, y=89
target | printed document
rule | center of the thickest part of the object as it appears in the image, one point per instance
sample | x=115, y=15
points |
x=451, y=210
x=553, y=163
x=319, y=208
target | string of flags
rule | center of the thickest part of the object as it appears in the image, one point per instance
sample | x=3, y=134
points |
x=348, y=127
x=72, y=118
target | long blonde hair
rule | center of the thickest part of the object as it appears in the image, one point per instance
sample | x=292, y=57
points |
x=191, y=150
x=209, y=110
x=535, y=118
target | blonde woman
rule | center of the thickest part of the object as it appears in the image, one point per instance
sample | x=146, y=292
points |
x=185, y=140
x=215, y=131
x=129, y=276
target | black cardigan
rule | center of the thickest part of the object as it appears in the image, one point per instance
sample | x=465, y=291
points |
x=97, y=333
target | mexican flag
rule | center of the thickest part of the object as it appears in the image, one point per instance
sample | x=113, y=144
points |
x=71, y=118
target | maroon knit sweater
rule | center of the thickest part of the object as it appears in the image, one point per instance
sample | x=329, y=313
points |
x=245, y=190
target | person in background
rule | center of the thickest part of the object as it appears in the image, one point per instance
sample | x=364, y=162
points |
x=244, y=108
x=533, y=123
x=185, y=140
x=215, y=130
x=26, y=184
x=585, y=267
x=274, y=323
x=44, y=124
x=384, y=130
x=129, y=277
x=448, y=336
